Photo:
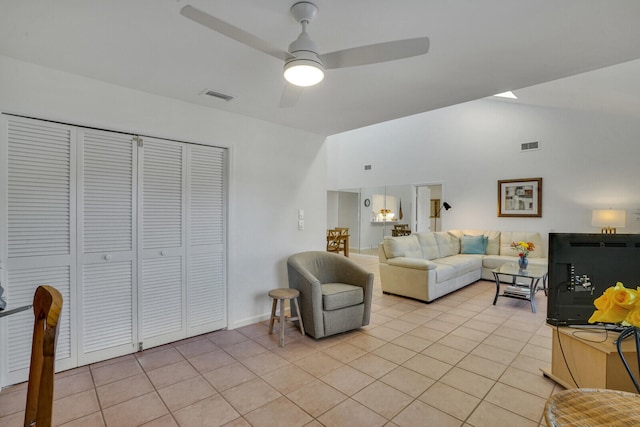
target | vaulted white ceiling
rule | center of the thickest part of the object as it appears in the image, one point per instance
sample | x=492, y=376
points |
x=478, y=48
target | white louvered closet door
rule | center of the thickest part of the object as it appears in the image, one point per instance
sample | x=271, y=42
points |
x=162, y=237
x=107, y=266
x=206, y=290
x=37, y=234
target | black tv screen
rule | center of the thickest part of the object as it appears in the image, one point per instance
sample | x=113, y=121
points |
x=582, y=267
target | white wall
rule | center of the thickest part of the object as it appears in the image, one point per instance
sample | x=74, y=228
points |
x=348, y=216
x=587, y=161
x=332, y=209
x=274, y=171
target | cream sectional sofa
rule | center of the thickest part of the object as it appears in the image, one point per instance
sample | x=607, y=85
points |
x=426, y=266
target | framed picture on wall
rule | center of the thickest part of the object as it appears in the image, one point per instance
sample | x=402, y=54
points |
x=520, y=197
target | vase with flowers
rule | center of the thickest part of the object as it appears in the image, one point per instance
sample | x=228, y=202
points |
x=523, y=249
x=620, y=305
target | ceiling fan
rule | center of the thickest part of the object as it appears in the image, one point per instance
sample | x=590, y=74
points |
x=303, y=65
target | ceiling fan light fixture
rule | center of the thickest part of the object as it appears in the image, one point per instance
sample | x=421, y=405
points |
x=303, y=72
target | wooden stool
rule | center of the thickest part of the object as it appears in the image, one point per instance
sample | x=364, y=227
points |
x=282, y=294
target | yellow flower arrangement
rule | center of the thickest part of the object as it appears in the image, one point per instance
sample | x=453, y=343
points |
x=618, y=305
x=523, y=248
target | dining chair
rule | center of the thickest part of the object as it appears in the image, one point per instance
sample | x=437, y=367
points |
x=47, y=304
x=344, y=239
x=333, y=241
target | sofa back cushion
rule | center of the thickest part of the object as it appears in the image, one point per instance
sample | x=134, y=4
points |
x=508, y=237
x=493, y=239
x=428, y=245
x=448, y=244
x=406, y=246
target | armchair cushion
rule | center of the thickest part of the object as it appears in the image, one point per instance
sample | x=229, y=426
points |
x=339, y=295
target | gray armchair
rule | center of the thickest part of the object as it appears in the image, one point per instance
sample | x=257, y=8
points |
x=335, y=292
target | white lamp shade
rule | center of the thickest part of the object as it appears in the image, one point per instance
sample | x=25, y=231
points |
x=302, y=72
x=608, y=218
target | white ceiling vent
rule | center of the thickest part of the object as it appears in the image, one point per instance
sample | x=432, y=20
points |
x=215, y=94
x=528, y=146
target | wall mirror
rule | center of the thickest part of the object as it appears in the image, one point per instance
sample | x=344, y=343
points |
x=371, y=213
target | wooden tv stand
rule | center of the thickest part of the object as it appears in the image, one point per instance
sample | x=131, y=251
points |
x=591, y=359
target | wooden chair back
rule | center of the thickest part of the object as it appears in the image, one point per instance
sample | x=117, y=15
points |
x=400, y=230
x=333, y=241
x=47, y=304
x=343, y=230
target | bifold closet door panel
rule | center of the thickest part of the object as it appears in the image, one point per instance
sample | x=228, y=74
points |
x=206, y=219
x=162, y=236
x=37, y=234
x=107, y=244
x=131, y=231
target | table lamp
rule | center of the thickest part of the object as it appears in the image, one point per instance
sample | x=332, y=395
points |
x=608, y=219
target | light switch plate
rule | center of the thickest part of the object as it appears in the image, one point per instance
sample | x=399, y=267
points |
x=300, y=214
x=300, y=224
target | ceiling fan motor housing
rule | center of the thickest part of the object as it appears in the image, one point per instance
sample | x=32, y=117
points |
x=304, y=11
x=303, y=48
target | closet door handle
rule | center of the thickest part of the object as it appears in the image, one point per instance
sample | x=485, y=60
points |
x=163, y=253
x=107, y=257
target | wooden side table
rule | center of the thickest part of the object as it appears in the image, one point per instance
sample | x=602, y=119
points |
x=283, y=294
x=590, y=360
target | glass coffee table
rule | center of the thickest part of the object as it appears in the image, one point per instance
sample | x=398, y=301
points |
x=524, y=283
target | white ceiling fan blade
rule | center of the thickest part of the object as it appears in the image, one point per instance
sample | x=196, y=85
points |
x=232, y=32
x=372, y=54
x=290, y=95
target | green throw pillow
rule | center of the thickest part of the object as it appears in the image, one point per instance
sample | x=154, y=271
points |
x=473, y=244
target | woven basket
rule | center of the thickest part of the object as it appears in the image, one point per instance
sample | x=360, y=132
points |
x=583, y=407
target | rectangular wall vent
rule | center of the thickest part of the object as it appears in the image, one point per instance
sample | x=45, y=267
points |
x=526, y=146
x=215, y=94
x=367, y=167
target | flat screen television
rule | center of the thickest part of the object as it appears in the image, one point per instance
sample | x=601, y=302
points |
x=582, y=266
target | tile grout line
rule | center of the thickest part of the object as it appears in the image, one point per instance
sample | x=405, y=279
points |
x=443, y=313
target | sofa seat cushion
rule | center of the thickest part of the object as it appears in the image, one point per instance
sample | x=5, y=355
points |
x=454, y=266
x=461, y=263
x=338, y=295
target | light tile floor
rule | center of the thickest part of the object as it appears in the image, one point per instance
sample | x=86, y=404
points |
x=459, y=361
